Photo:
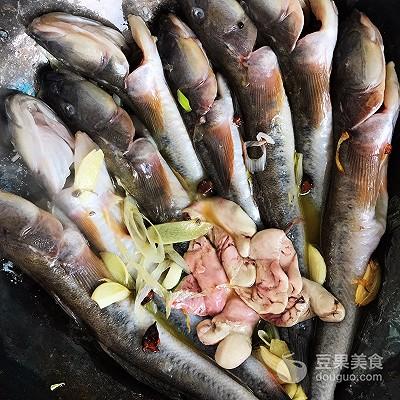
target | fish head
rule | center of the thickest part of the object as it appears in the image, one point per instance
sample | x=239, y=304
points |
x=84, y=106
x=359, y=70
x=222, y=26
x=84, y=45
x=281, y=21
x=25, y=225
x=186, y=64
x=41, y=139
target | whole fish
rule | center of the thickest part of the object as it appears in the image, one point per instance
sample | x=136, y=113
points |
x=379, y=332
x=139, y=166
x=354, y=222
x=43, y=141
x=308, y=70
x=155, y=105
x=86, y=46
x=59, y=259
x=280, y=22
x=186, y=65
x=359, y=72
x=226, y=32
x=219, y=146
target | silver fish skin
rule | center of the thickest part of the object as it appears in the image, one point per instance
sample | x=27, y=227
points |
x=226, y=32
x=84, y=45
x=280, y=22
x=137, y=163
x=156, y=107
x=60, y=261
x=358, y=200
x=43, y=141
x=186, y=64
x=307, y=77
x=219, y=146
x=358, y=72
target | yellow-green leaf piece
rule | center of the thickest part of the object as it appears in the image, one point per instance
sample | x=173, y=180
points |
x=183, y=101
x=177, y=232
x=109, y=293
x=117, y=269
x=88, y=171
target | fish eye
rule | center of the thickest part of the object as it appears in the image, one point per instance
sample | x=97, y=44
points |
x=240, y=25
x=198, y=14
x=69, y=110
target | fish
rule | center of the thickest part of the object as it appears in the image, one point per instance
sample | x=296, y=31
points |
x=98, y=213
x=41, y=139
x=59, y=259
x=154, y=104
x=378, y=335
x=281, y=23
x=88, y=108
x=307, y=77
x=266, y=111
x=358, y=200
x=218, y=143
x=186, y=65
x=84, y=45
x=138, y=165
x=359, y=72
x=226, y=32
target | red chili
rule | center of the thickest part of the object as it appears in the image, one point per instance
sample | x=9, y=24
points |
x=151, y=339
x=205, y=188
x=148, y=298
x=306, y=185
x=237, y=120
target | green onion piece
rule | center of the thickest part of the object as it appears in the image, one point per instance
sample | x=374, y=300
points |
x=177, y=232
x=183, y=101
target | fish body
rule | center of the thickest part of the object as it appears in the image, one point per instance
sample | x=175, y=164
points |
x=186, y=64
x=358, y=202
x=84, y=45
x=137, y=163
x=155, y=105
x=219, y=146
x=280, y=22
x=42, y=140
x=59, y=259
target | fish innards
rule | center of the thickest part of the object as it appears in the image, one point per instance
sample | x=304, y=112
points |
x=206, y=190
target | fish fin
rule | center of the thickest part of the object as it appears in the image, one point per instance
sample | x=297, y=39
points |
x=392, y=92
x=314, y=84
x=366, y=173
x=265, y=86
x=79, y=262
x=219, y=144
x=155, y=180
x=142, y=89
